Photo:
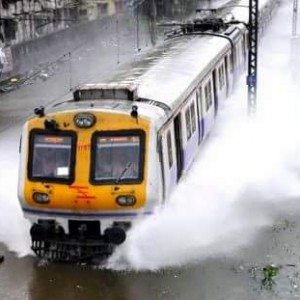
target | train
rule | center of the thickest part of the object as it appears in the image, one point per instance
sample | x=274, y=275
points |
x=93, y=165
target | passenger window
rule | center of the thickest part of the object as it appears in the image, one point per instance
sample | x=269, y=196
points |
x=170, y=154
x=237, y=54
x=223, y=75
x=200, y=103
x=220, y=77
x=188, y=123
x=231, y=62
x=210, y=92
x=208, y=95
x=193, y=117
x=246, y=41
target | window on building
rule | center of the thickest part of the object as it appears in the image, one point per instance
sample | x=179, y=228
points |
x=102, y=8
x=10, y=29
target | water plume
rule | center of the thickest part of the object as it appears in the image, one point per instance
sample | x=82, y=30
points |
x=246, y=174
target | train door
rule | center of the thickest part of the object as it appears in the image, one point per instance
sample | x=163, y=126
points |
x=168, y=159
x=162, y=163
x=215, y=89
x=178, y=144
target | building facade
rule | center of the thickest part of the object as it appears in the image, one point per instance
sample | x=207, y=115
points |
x=24, y=20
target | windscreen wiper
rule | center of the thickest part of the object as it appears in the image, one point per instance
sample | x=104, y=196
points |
x=128, y=165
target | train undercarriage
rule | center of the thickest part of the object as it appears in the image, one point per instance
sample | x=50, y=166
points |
x=83, y=243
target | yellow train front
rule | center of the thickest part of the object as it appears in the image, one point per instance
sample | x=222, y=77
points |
x=83, y=177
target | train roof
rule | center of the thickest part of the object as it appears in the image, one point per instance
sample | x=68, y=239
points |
x=168, y=74
x=161, y=78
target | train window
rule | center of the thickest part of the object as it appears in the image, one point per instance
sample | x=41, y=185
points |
x=220, y=77
x=170, y=154
x=193, y=117
x=118, y=157
x=208, y=95
x=188, y=123
x=197, y=96
x=243, y=46
x=246, y=40
x=200, y=102
x=52, y=157
x=231, y=62
x=237, y=54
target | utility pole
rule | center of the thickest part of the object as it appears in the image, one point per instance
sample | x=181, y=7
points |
x=295, y=13
x=252, y=56
x=137, y=28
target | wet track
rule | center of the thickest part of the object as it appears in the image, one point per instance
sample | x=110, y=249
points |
x=233, y=274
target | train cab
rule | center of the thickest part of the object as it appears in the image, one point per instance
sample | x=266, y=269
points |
x=85, y=169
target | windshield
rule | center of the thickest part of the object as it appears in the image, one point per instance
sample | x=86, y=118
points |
x=51, y=157
x=118, y=158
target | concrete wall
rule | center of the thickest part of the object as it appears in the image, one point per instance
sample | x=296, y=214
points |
x=115, y=30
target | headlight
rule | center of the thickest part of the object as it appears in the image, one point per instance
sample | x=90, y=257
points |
x=127, y=200
x=84, y=120
x=40, y=198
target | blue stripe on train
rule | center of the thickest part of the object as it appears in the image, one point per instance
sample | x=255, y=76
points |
x=102, y=215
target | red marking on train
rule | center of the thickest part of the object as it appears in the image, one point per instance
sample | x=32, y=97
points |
x=78, y=187
x=82, y=192
x=84, y=147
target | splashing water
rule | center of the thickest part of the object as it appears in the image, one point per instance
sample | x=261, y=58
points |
x=245, y=174
x=14, y=229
